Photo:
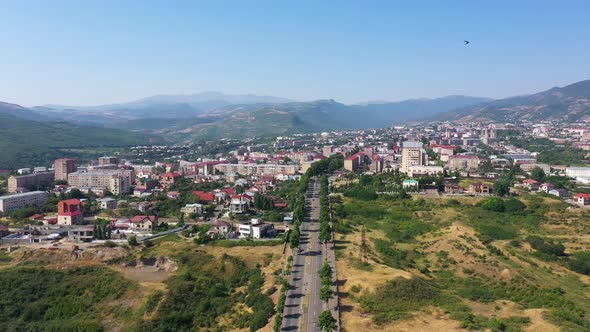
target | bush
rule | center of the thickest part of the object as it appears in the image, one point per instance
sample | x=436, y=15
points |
x=581, y=262
x=132, y=241
x=514, y=205
x=546, y=247
x=493, y=204
x=110, y=244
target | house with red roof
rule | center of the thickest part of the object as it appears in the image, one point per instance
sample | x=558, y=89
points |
x=143, y=223
x=530, y=184
x=205, y=197
x=546, y=187
x=173, y=195
x=583, y=199
x=169, y=178
x=69, y=212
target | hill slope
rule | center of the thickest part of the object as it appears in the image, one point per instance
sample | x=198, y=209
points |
x=320, y=115
x=570, y=103
x=25, y=142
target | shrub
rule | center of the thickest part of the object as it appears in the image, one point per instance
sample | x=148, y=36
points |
x=110, y=244
x=581, y=262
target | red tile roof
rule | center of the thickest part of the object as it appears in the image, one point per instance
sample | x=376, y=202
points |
x=204, y=196
x=73, y=201
x=355, y=156
x=582, y=195
x=140, y=219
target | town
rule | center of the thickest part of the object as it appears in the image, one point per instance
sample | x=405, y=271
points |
x=239, y=195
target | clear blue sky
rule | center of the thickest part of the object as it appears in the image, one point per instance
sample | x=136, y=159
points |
x=93, y=52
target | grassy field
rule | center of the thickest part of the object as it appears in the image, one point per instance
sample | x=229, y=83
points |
x=458, y=265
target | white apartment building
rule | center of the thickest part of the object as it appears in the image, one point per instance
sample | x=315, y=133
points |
x=256, y=169
x=117, y=181
x=413, y=154
x=18, y=201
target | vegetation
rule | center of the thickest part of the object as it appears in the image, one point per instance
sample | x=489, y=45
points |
x=36, y=299
x=207, y=289
x=326, y=321
x=24, y=142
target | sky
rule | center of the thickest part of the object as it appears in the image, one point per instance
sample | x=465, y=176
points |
x=99, y=52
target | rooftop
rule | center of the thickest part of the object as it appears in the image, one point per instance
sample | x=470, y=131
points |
x=409, y=144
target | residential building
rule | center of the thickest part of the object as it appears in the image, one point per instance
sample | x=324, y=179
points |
x=418, y=171
x=255, y=229
x=143, y=223
x=546, y=187
x=69, y=212
x=205, y=197
x=530, y=184
x=413, y=154
x=220, y=227
x=81, y=234
x=239, y=205
x=559, y=193
x=63, y=167
x=582, y=198
x=117, y=181
x=477, y=188
x=190, y=209
x=102, y=161
x=528, y=167
x=107, y=203
x=13, y=202
x=354, y=162
x=169, y=178
x=257, y=169
x=35, y=181
x=466, y=162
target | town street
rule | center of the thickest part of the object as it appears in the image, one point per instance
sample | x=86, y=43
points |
x=303, y=304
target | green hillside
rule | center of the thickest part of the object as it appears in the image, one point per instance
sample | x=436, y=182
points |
x=29, y=143
x=570, y=103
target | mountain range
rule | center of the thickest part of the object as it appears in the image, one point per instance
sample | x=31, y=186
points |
x=27, y=139
x=181, y=118
x=567, y=104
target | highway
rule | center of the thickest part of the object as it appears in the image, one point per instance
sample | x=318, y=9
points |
x=303, y=304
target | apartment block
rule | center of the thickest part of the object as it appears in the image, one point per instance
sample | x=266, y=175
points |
x=33, y=181
x=413, y=154
x=13, y=202
x=63, y=167
x=116, y=181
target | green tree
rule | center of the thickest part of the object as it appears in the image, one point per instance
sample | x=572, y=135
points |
x=502, y=187
x=326, y=321
x=538, y=174
x=326, y=293
x=132, y=241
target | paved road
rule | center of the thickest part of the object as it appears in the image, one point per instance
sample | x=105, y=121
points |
x=303, y=304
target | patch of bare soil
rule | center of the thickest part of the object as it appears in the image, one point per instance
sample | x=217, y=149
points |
x=149, y=270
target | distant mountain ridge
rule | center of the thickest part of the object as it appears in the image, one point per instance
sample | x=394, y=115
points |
x=27, y=142
x=569, y=104
x=315, y=116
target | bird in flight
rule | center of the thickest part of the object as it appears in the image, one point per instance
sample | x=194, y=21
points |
x=466, y=42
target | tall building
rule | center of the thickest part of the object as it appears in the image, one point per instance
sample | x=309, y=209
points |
x=63, y=167
x=13, y=202
x=108, y=161
x=33, y=181
x=413, y=154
